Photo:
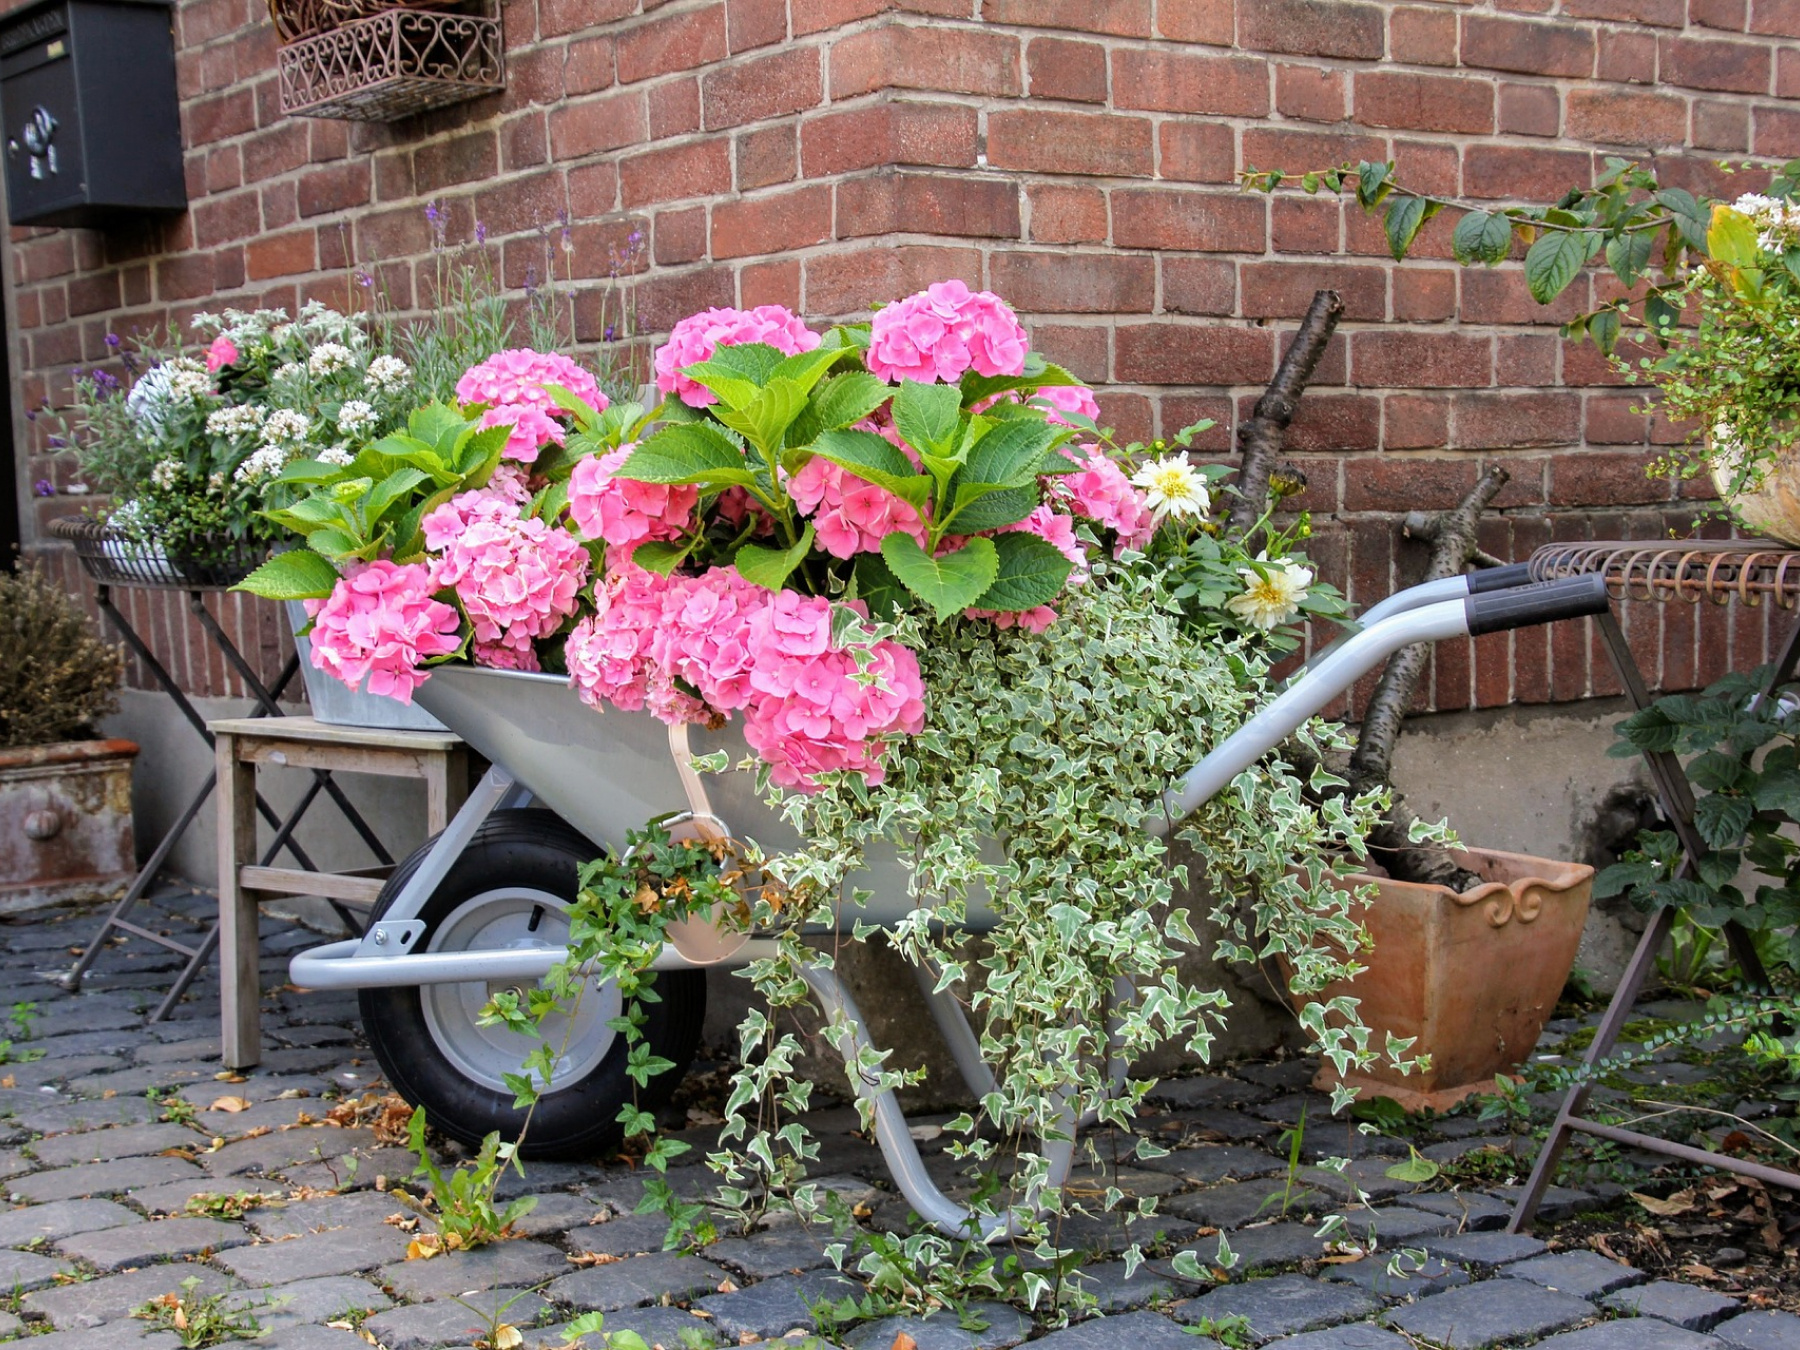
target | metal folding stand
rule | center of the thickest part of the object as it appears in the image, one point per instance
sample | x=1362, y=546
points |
x=1751, y=573
x=110, y=562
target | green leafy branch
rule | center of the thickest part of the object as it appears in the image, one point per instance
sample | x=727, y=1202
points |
x=1649, y=234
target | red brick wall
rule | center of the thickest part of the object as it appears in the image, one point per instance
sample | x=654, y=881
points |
x=1077, y=156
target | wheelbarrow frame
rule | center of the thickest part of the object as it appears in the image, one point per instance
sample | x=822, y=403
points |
x=385, y=955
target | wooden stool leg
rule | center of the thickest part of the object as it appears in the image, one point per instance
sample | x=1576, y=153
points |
x=446, y=785
x=240, y=981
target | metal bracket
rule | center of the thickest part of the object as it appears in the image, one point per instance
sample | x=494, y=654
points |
x=495, y=790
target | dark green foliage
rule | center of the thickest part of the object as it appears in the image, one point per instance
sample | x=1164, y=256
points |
x=56, y=678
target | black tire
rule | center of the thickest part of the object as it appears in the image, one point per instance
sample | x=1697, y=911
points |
x=537, y=852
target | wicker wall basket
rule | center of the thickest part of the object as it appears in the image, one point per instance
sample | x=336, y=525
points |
x=392, y=64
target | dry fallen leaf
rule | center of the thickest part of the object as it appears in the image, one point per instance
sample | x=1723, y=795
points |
x=903, y=1342
x=403, y=1223
x=231, y=1104
x=256, y=1133
x=507, y=1337
x=1341, y=1259
x=1682, y=1202
x=592, y=1259
x=341, y=1326
x=8, y=1081
x=1700, y=1272
x=727, y=1286
x=229, y=1077
x=424, y=1247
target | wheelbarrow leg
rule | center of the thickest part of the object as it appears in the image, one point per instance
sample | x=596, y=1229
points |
x=898, y=1148
x=965, y=1046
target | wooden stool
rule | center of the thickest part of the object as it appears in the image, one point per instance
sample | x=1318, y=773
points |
x=243, y=743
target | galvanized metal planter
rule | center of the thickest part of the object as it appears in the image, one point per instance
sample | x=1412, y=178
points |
x=391, y=65
x=65, y=823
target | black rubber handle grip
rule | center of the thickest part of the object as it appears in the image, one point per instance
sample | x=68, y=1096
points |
x=1543, y=602
x=1485, y=579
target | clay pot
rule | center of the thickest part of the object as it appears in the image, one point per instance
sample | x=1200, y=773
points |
x=1474, y=976
x=1769, y=502
x=65, y=823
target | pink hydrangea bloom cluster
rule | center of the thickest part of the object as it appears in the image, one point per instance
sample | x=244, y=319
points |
x=740, y=648
x=1102, y=493
x=942, y=332
x=517, y=578
x=698, y=336
x=222, y=353
x=622, y=511
x=382, y=623
x=850, y=514
x=513, y=384
x=1069, y=398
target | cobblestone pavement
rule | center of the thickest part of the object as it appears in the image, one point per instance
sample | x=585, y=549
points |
x=108, y=1214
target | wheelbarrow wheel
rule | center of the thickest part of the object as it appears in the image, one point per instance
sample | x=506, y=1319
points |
x=511, y=887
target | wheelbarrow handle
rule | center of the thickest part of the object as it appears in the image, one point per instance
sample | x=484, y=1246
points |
x=1346, y=663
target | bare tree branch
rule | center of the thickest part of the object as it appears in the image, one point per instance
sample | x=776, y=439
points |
x=1452, y=535
x=1260, y=438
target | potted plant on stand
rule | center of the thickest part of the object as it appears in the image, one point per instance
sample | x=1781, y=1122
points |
x=65, y=795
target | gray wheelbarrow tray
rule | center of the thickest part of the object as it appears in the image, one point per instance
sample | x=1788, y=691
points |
x=607, y=773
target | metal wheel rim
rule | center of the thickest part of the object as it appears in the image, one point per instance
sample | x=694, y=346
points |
x=498, y=920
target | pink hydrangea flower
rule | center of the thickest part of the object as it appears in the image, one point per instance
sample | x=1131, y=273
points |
x=608, y=653
x=381, y=623
x=944, y=331
x=698, y=336
x=622, y=511
x=514, y=386
x=1102, y=493
x=1069, y=398
x=704, y=638
x=499, y=656
x=850, y=515
x=517, y=578
x=222, y=353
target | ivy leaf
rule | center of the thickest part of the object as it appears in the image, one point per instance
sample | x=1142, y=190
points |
x=298, y=574
x=928, y=416
x=946, y=584
x=1482, y=236
x=691, y=452
x=1031, y=572
x=1415, y=1171
x=1554, y=261
x=771, y=567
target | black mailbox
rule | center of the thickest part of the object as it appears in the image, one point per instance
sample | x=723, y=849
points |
x=89, y=112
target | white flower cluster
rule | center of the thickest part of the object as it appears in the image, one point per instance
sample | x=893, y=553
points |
x=245, y=420
x=166, y=473
x=1272, y=592
x=338, y=456
x=286, y=371
x=330, y=357
x=187, y=380
x=387, y=375
x=356, y=417
x=1777, y=220
x=285, y=424
x=1173, y=487
x=264, y=463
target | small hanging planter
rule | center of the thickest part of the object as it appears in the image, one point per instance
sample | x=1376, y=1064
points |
x=381, y=60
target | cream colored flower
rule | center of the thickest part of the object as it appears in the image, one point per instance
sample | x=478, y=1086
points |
x=1272, y=594
x=1173, y=487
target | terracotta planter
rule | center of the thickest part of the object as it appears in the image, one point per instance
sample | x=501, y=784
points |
x=65, y=823
x=1474, y=977
x=1769, y=503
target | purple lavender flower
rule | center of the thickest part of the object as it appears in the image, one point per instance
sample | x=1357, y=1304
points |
x=434, y=213
x=105, y=382
x=112, y=340
x=481, y=232
x=43, y=488
x=31, y=414
x=635, y=238
x=531, y=279
x=611, y=332
x=364, y=278
x=56, y=442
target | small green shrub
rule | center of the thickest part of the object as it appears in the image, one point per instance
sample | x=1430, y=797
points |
x=56, y=678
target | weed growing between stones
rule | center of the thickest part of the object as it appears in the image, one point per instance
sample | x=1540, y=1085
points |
x=200, y=1320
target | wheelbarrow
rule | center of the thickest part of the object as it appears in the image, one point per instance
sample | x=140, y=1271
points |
x=481, y=907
